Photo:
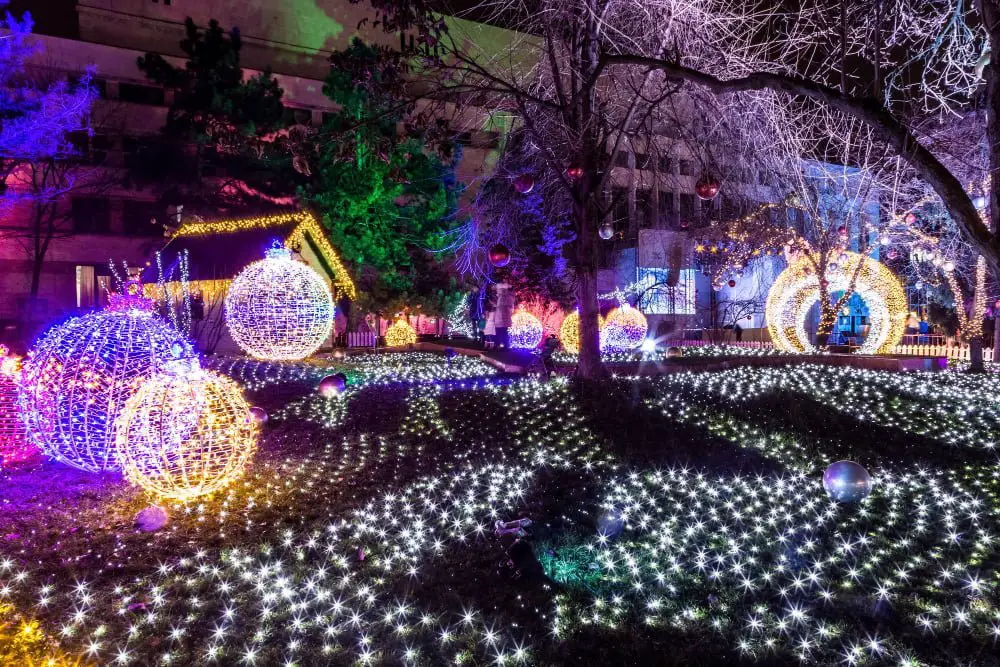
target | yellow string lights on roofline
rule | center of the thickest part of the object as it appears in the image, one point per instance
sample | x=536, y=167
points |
x=307, y=224
x=797, y=288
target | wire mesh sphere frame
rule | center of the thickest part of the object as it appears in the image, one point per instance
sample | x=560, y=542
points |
x=525, y=331
x=181, y=436
x=400, y=334
x=79, y=375
x=624, y=329
x=278, y=308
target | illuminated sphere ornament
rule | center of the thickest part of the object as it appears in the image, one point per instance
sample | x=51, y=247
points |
x=525, y=331
x=400, y=334
x=79, y=376
x=185, y=433
x=569, y=332
x=796, y=289
x=524, y=183
x=731, y=283
x=259, y=415
x=606, y=231
x=14, y=444
x=277, y=308
x=624, y=329
x=707, y=186
x=332, y=385
x=574, y=173
x=499, y=255
x=847, y=482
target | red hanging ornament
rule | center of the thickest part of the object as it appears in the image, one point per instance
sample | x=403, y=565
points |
x=684, y=224
x=910, y=218
x=499, y=255
x=732, y=283
x=707, y=186
x=524, y=183
x=574, y=173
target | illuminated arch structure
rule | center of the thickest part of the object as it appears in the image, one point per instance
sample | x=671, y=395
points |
x=797, y=288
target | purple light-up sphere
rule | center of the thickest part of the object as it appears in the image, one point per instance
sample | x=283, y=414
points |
x=847, y=482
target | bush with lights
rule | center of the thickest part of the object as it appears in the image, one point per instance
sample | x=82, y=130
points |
x=185, y=433
x=278, y=308
x=80, y=373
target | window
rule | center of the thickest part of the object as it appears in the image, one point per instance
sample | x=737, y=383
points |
x=138, y=94
x=137, y=218
x=657, y=296
x=687, y=206
x=666, y=202
x=294, y=116
x=641, y=161
x=91, y=215
x=643, y=208
x=86, y=287
x=619, y=203
x=665, y=165
x=687, y=169
x=621, y=159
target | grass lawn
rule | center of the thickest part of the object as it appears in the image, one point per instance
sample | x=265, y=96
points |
x=674, y=520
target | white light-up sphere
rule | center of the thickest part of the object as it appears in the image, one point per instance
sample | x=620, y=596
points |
x=847, y=482
x=78, y=377
x=184, y=435
x=623, y=330
x=278, y=308
x=525, y=331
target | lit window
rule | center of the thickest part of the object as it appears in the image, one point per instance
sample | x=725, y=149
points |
x=659, y=297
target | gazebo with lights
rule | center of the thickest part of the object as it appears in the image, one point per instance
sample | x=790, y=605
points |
x=216, y=251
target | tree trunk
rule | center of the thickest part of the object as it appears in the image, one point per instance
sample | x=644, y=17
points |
x=992, y=74
x=976, y=355
x=589, y=366
x=36, y=276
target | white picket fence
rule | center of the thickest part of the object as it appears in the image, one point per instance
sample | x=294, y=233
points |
x=753, y=344
x=360, y=339
x=957, y=352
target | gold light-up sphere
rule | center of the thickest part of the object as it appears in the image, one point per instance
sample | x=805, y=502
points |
x=569, y=332
x=797, y=288
x=277, y=308
x=400, y=334
x=185, y=434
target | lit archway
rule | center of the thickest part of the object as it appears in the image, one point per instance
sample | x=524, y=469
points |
x=797, y=288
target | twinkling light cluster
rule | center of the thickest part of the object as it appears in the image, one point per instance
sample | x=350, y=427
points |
x=400, y=334
x=277, y=308
x=525, y=330
x=185, y=433
x=569, y=332
x=79, y=375
x=798, y=287
x=624, y=329
x=14, y=444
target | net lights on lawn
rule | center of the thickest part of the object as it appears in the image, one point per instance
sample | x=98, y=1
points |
x=278, y=308
x=185, y=433
x=81, y=372
x=400, y=334
x=525, y=330
x=797, y=288
x=624, y=329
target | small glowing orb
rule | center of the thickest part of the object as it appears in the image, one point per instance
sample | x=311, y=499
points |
x=184, y=435
x=400, y=333
x=847, y=482
x=78, y=377
x=277, y=308
x=624, y=329
x=332, y=385
x=525, y=330
x=259, y=415
x=648, y=346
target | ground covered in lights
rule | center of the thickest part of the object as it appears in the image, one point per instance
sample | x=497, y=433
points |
x=674, y=520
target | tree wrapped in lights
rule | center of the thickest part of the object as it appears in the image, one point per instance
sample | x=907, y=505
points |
x=14, y=445
x=400, y=334
x=80, y=373
x=525, y=330
x=185, y=433
x=798, y=287
x=624, y=329
x=277, y=308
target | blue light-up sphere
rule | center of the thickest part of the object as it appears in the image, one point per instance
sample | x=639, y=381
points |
x=525, y=331
x=79, y=375
x=847, y=482
x=277, y=308
x=623, y=330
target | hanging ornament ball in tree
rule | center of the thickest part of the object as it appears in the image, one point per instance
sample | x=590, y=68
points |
x=525, y=331
x=278, y=308
x=732, y=283
x=707, y=186
x=400, y=334
x=332, y=385
x=606, y=231
x=185, y=434
x=624, y=329
x=258, y=415
x=979, y=201
x=524, y=183
x=685, y=224
x=81, y=373
x=918, y=285
x=847, y=482
x=574, y=173
x=910, y=218
x=499, y=255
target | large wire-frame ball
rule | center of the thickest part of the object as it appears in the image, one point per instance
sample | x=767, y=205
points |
x=14, y=444
x=79, y=375
x=569, y=331
x=624, y=329
x=186, y=434
x=278, y=308
x=525, y=331
x=400, y=334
